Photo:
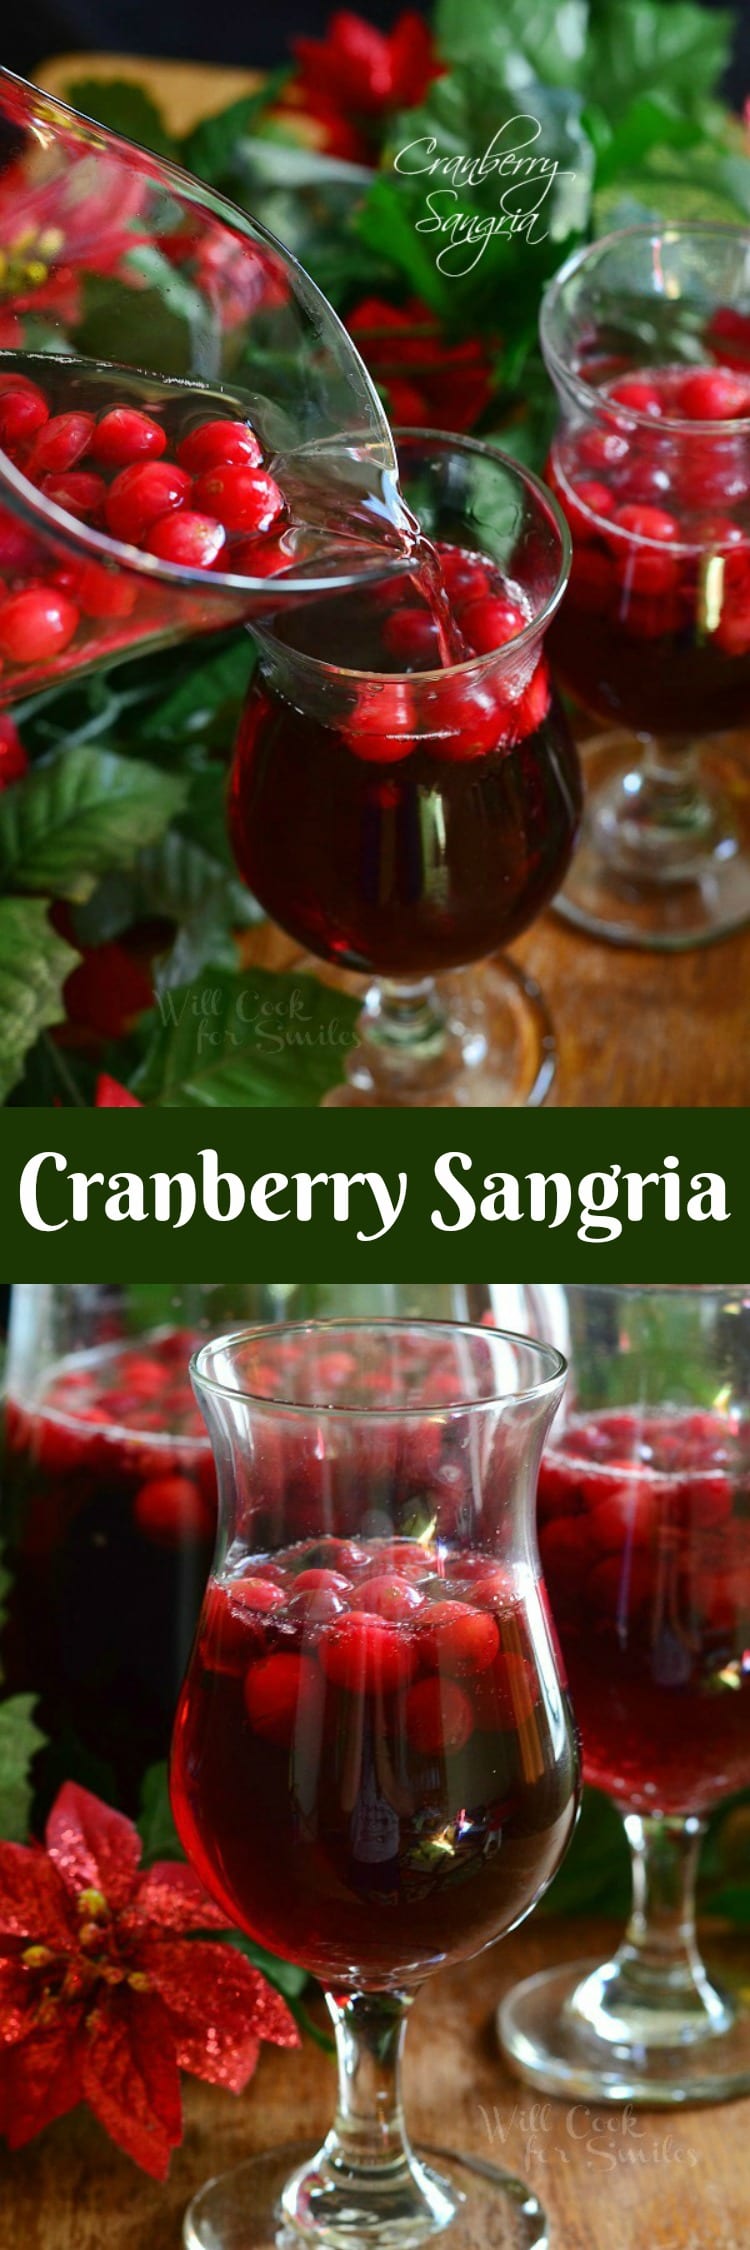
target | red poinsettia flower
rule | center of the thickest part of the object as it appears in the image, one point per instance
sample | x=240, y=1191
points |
x=109, y=1094
x=427, y=380
x=108, y=990
x=367, y=71
x=56, y=229
x=105, y=1994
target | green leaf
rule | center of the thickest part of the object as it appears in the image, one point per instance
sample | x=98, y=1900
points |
x=595, y=1874
x=34, y=963
x=211, y=150
x=285, y=1975
x=19, y=1741
x=80, y=813
x=6, y=1582
x=123, y=105
x=176, y=879
x=206, y=703
x=155, y=1822
x=152, y=333
x=246, y=1041
x=523, y=40
x=639, y=46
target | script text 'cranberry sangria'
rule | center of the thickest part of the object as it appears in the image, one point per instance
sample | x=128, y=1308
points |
x=405, y=794
x=182, y=416
x=644, y=1515
x=374, y=1766
x=647, y=338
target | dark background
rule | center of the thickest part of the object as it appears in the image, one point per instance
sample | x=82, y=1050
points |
x=221, y=31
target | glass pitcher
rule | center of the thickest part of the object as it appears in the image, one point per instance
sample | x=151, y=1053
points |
x=124, y=283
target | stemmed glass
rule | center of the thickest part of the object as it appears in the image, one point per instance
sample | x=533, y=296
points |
x=646, y=336
x=373, y=1767
x=126, y=285
x=644, y=1511
x=403, y=807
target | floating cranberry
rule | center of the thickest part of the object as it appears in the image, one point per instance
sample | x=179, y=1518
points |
x=453, y=1637
x=506, y=1693
x=478, y=717
x=465, y=576
x=584, y=501
x=643, y=570
x=645, y=523
x=439, y=1717
x=383, y=723
x=535, y=702
x=638, y=395
x=184, y=537
x=488, y=624
x=140, y=494
x=276, y=1690
x=36, y=624
x=124, y=434
x=258, y=1593
x=315, y=1605
x=219, y=444
x=713, y=394
x=367, y=1655
x=22, y=413
x=387, y=1596
x=78, y=491
x=170, y=1510
x=106, y=593
x=60, y=443
x=411, y=634
x=244, y=499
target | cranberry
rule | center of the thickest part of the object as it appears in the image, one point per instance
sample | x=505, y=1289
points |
x=171, y=1509
x=219, y=444
x=381, y=727
x=453, y=1637
x=583, y=501
x=713, y=394
x=565, y=1552
x=13, y=759
x=366, y=1655
x=703, y=1501
x=125, y=434
x=106, y=593
x=36, y=624
x=591, y=580
x=22, y=413
x=718, y=531
x=535, y=702
x=506, y=1693
x=276, y=1690
x=601, y=449
x=626, y=1518
x=466, y=577
x=60, y=443
x=642, y=570
x=142, y=493
x=244, y=499
x=489, y=623
x=645, y=523
x=640, y=396
x=184, y=537
x=315, y=1605
x=478, y=713
x=411, y=635
x=78, y=491
x=258, y=1593
x=439, y=1717
x=317, y=1581
x=388, y=1596
x=19, y=550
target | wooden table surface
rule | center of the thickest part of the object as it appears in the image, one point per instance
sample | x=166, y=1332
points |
x=609, y=2179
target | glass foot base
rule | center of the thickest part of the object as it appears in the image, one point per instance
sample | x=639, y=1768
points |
x=241, y=2210
x=663, y=889
x=549, y=2044
x=498, y=1052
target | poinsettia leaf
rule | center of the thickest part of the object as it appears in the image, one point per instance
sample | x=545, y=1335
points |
x=208, y=697
x=210, y=150
x=255, y=1040
x=20, y=1739
x=176, y=879
x=123, y=105
x=81, y=812
x=641, y=45
x=527, y=39
x=155, y=1818
x=34, y=963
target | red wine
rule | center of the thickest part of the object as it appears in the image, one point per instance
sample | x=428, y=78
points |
x=110, y=1510
x=372, y=1767
x=645, y=1543
x=655, y=626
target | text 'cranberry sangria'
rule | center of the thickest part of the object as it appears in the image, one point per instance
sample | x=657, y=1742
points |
x=374, y=1768
x=405, y=793
x=644, y=1530
x=647, y=338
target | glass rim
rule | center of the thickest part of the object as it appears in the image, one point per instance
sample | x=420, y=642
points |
x=269, y=1330
x=455, y=442
x=99, y=545
x=586, y=393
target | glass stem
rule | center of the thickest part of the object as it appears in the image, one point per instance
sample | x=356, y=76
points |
x=659, y=1962
x=406, y=1020
x=368, y=2132
x=670, y=797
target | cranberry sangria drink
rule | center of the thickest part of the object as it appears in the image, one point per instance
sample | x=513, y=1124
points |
x=647, y=339
x=405, y=793
x=373, y=1767
x=182, y=416
x=644, y=1530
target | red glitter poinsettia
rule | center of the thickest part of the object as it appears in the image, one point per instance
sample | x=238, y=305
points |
x=105, y=1993
x=428, y=381
x=357, y=76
